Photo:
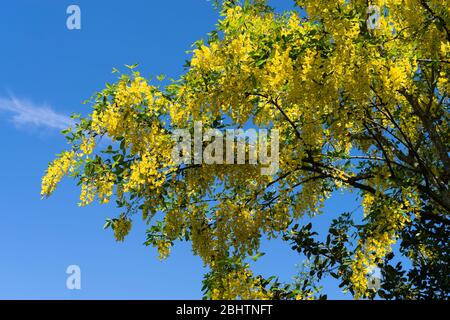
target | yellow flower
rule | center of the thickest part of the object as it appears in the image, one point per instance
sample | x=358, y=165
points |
x=88, y=145
x=56, y=171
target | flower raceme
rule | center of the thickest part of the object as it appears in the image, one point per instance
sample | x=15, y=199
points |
x=56, y=171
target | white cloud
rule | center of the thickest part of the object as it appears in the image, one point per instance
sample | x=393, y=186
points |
x=27, y=113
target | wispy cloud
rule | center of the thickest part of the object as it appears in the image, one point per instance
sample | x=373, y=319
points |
x=26, y=113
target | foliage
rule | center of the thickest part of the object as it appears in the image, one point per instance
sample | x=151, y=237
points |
x=360, y=110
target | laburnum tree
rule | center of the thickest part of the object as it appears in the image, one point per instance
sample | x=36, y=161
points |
x=361, y=109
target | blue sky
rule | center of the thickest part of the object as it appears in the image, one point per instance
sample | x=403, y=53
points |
x=46, y=72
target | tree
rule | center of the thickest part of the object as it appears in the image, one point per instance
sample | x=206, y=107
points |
x=360, y=106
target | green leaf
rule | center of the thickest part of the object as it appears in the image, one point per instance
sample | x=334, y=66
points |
x=107, y=224
x=131, y=67
x=257, y=256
